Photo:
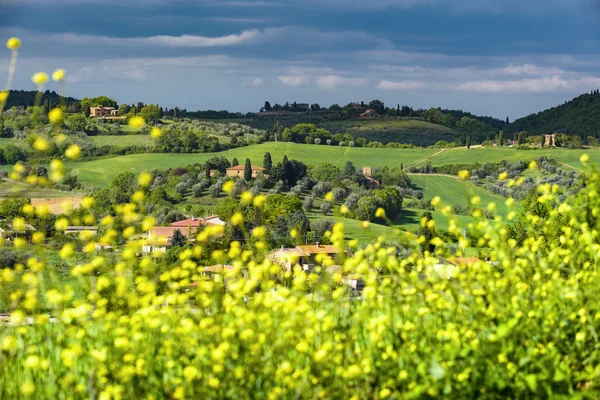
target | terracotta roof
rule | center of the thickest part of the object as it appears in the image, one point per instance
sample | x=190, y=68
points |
x=289, y=252
x=242, y=167
x=191, y=222
x=320, y=249
x=166, y=232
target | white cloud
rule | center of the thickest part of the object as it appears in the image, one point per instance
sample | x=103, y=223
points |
x=294, y=80
x=530, y=69
x=402, y=85
x=257, y=82
x=534, y=85
x=332, y=81
x=163, y=40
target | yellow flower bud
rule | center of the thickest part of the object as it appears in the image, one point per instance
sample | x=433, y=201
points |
x=237, y=219
x=155, y=132
x=228, y=186
x=145, y=179
x=3, y=96
x=259, y=232
x=380, y=213
x=136, y=122
x=39, y=78
x=40, y=144
x=55, y=115
x=464, y=174
x=73, y=151
x=436, y=201
x=259, y=200
x=13, y=43
x=584, y=158
x=329, y=197
x=58, y=75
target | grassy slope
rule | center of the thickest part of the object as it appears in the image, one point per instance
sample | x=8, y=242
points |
x=482, y=155
x=368, y=125
x=411, y=220
x=20, y=189
x=123, y=140
x=453, y=191
x=353, y=230
x=101, y=172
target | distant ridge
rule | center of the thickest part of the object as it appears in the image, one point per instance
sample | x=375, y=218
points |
x=580, y=116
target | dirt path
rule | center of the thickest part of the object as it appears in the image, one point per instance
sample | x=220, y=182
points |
x=425, y=159
x=570, y=166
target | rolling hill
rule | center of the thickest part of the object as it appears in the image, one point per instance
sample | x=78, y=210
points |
x=580, y=116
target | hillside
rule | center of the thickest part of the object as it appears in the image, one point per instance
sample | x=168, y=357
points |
x=27, y=98
x=580, y=116
x=388, y=130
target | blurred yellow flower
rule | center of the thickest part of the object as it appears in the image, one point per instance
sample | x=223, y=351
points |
x=3, y=96
x=13, y=43
x=145, y=179
x=58, y=75
x=155, y=132
x=532, y=165
x=344, y=209
x=87, y=202
x=503, y=176
x=136, y=122
x=463, y=174
x=259, y=232
x=584, y=158
x=246, y=197
x=237, y=218
x=39, y=78
x=329, y=197
x=436, y=201
x=259, y=200
x=41, y=144
x=55, y=115
x=228, y=186
x=380, y=213
x=73, y=151
x=365, y=224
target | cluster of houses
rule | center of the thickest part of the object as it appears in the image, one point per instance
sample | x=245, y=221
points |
x=159, y=238
x=238, y=171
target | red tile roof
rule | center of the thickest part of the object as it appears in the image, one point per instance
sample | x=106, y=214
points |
x=191, y=222
x=320, y=249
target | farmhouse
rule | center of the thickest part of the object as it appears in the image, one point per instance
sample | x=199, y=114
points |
x=367, y=171
x=304, y=255
x=446, y=266
x=368, y=114
x=158, y=239
x=198, y=222
x=99, y=112
x=300, y=107
x=75, y=230
x=238, y=171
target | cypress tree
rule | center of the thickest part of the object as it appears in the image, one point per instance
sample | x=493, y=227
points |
x=247, y=170
x=468, y=142
x=267, y=162
x=235, y=162
x=501, y=138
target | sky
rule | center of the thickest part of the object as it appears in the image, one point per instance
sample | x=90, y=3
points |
x=489, y=57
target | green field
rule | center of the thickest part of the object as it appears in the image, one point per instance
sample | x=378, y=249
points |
x=410, y=220
x=482, y=155
x=101, y=172
x=453, y=191
x=123, y=140
x=353, y=230
x=393, y=130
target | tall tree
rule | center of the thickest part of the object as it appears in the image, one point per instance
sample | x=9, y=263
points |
x=349, y=168
x=235, y=162
x=178, y=239
x=248, y=170
x=207, y=170
x=267, y=162
x=468, y=142
x=501, y=138
x=268, y=106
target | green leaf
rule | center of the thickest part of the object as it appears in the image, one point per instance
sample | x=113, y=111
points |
x=531, y=380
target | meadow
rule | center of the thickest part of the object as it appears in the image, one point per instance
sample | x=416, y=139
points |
x=454, y=191
x=393, y=130
x=101, y=172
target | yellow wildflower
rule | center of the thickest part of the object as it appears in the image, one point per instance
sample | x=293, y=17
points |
x=13, y=43
x=463, y=174
x=136, y=122
x=55, y=115
x=73, y=151
x=58, y=75
x=39, y=78
x=155, y=132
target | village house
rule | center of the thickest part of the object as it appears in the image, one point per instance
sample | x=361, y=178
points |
x=99, y=112
x=103, y=247
x=367, y=171
x=549, y=140
x=368, y=114
x=238, y=171
x=304, y=256
x=158, y=239
x=198, y=222
x=301, y=107
x=77, y=230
